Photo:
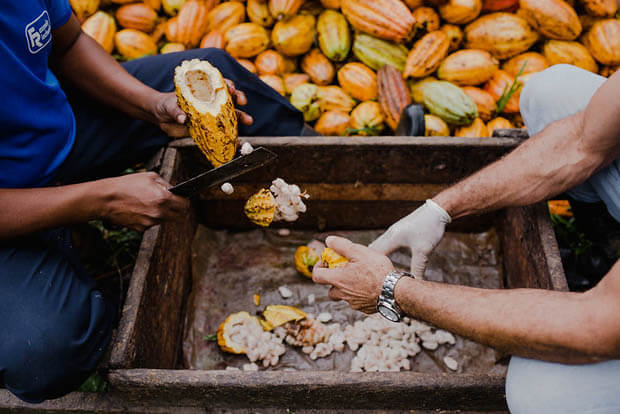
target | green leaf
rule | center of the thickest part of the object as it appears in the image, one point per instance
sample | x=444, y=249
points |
x=210, y=338
x=508, y=92
x=94, y=383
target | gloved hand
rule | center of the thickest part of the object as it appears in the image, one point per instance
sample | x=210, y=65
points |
x=421, y=231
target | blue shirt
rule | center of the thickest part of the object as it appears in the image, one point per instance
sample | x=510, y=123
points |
x=36, y=120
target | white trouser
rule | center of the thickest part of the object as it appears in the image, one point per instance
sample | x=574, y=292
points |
x=543, y=387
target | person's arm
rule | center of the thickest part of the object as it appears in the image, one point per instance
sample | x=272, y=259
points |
x=553, y=326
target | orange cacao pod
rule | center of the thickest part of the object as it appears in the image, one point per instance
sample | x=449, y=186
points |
x=172, y=30
x=484, y=102
x=607, y=71
x=284, y=9
x=529, y=62
x=455, y=34
x=225, y=15
x=133, y=44
x=552, y=18
x=248, y=65
x=426, y=54
x=101, y=27
x=460, y=11
x=246, y=40
x=572, y=53
x=603, y=41
x=293, y=80
x=214, y=38
x=192, y=22
x=503, y=34
x=334, y=98
x=295, y=36
x=499, y=5
x=318, y=67
x=498, y=123
x=475, y=130
x=426, y=19
x=392, y=93
x=258, y=13
x=153, y=4
x=500, y=83
x=600, y=8
x=412, y=4
x=84, y=8
x=269, y=62
x=332, y=123
x=331, y=4
x=386, y=19
x=275, y=82
x=468, y=67
x=159, y=31
x=588, y=21
x=358, y=80
x=366, y=119
x=137, y=16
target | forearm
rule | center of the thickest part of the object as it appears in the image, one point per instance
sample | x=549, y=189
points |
x=554, y=326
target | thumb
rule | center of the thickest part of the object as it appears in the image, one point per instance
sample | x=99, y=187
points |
x=418, y=264
x=386, y=243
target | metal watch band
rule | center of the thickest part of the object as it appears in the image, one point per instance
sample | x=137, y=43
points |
x=386, y=298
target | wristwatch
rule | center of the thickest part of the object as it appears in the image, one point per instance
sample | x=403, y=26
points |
x=386, y=304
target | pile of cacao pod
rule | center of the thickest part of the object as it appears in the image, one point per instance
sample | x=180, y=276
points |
x=351, y=66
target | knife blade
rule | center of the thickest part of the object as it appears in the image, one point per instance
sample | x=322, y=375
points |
x=224, y=173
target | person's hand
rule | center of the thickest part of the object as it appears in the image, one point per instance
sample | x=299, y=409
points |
x=171, y=119
x=141, y=200
x=420, y=231
x=358, y=282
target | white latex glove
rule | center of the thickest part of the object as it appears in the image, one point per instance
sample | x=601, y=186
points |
x=421, y=231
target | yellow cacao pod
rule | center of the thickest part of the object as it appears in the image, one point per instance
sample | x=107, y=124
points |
x=304, y=98
x=225, y=15
x=306, y=258
x=172, y=48
x=295, y=36
x=426, y=20
x=484, y=102
x=434, y=126
x=603, y=41
x=475, y=130
x=137, y=16
x=101, y=27
x=332, y=123
x=468, y=67
x=284, y=9
x=269, y=62
x=172, y=7
x=293, y=80
x=331, y=4
x=84, y=8
x=214, y=38
x=333, y=35
x=334, y=98
x=331, y=259
x=133, y=44
x=455, y=34
x=358, y=80
x=385, y=19
x=392, y=93
x=504, y=35
x=572, y=53
x=366, y=119
x=460, y=11
x=246, y=40
x=260, y=208
x=192, y=22
x=275, y=82
x=417, y=89
x=376, y=53
x=258, y=13
x=318, y=67
x=498, y=123
x=554, y=19
x=426, y=54
x=529, y=62
x=600, y=8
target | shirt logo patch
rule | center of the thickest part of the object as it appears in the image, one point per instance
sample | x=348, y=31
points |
x=39, y=33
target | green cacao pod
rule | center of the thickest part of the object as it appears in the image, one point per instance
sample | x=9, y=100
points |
x=449, y=102
x=377, y=53
x=304, y=98
x=334, y=35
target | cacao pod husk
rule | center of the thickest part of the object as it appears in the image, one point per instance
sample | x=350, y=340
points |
x=426, y=54
x=246, y=40
x=603, y=41
x=376, y=53
x=172, y=7
x=295, y=36
x=331, y=4
x=358, y=80
x=192, y=22
x=392, y=94
x=385, y=19
x=172, y=30
x=434, y=126
x=485, y=103
x=417, y=89
x=304, y=98
x=160, y=30
x=414, y=4
x=498, y=123
x=529, y=62
x=318, y=67
x=499, y=5
x=293, y=80
x=426, y=20
x=607, y=71
x=258, y=13
x=275, y=82
x=475, y=130
x=84, y=8
x=332, y=123
x=248, y=64
x=504, y=35
x=600, y=8
x=133, y=44
x=284, y=9
x=225, y=15
x=260, y=208
x=153, y=4
x=449, y=102
x=366, y=119
x=101, y=27
x=468, y=67
x=171, y=48
x=137, y=16
x=334, y=98
x=554, y=19
x=460, y=11
x=269, y=62
x=498, y=85
x=214, y=38
x=333, y=35
x=455, y=34
x=569, y=52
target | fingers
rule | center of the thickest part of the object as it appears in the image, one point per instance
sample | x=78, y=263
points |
x=384, y=244
x=418, y=264
x=335, y=294
x=238, y=96
x=347, y=248
x=244, y=118
x=323, y=275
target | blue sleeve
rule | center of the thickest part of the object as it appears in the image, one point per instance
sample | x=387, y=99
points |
x=59, y=11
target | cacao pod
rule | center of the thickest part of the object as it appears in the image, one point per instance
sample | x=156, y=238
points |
x=468, y=67
x=500, y=84
x=101, y=27
x=607, y=71
x=109, y=2
x=192, y=22
x=332, y=123
x=224, y=340
x=603, y=41
x=171, y=48
x=334, y=98
x=366, y=119
x=434, y=126
x=248, y=64
x=225, y=15
x=334, y=36
x=417, y=89
x=572, y=53
x=275, y=82
x=172, y=7
x=214, y=38
x=460, y=11
x=160, y=30
x=475, y=130
x=153, y=4
x=284, y=9
x=485, y=103
x=552, y=18
x=499, y=5
x=376, y=53
x=269, y=62
x=392, y=94
x=503, y=34
x=413, y=4
x=137, y=16
x=426, y=20
x=332, y=259
x=426, y=54
x=172, y=30
x=290, y=64
x=311, y=8
x=304, y=98
x=133, y=44
x=258, y=13
x=331, y=4
x=455, y=34
x=293, y=80
x=203, y=95
x=84, y=8
x=529, y=62
x=498, y=123
x=295, y=36
x=588, y=21
x=449, y=102
x=318, y=67
x=385, y=19
x=358, y=80
x=306, y=258
x=246, y=40
x=260, y=208
x=600, y=8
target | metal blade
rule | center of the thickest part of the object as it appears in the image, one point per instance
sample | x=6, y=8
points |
x=224, y=173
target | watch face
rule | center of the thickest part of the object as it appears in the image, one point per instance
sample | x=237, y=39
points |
x=388, y=313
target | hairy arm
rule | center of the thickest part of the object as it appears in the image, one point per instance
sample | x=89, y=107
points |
x=562, y=156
